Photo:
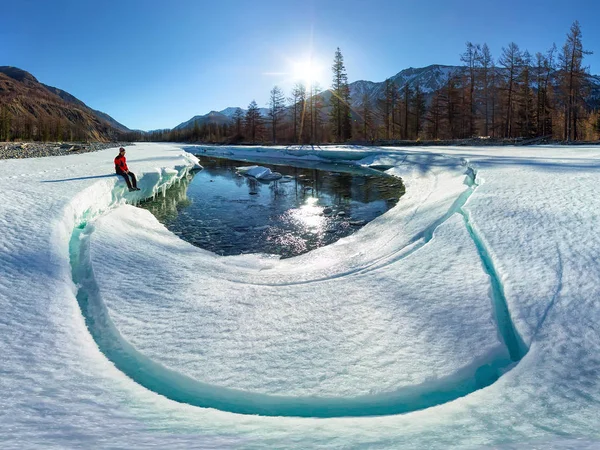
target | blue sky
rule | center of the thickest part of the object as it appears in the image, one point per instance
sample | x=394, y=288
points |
x=152, y=64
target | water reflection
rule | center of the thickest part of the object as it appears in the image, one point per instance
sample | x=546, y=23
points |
x=228, y=213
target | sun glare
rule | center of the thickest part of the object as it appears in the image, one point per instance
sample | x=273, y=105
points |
x=306, y=71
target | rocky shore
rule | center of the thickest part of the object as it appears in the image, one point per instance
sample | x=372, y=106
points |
x=19, y=150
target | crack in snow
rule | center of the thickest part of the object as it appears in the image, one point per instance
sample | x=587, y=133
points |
x=184, y=389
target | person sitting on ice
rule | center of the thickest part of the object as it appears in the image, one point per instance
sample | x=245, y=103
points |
x=122, y=169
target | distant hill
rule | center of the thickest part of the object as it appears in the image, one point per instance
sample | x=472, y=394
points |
x=37, y=109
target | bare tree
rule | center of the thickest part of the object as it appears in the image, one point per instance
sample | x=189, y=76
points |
x=485, y=63
x=253, y=121
x=470, y=58
x=574, y=75
x=276, y=110
x=511, y=61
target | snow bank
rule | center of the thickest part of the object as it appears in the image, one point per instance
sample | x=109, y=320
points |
x=528, y=224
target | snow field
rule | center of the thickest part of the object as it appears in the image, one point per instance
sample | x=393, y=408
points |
x=535, y=211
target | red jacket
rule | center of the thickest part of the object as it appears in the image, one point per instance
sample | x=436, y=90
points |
x=121, y=164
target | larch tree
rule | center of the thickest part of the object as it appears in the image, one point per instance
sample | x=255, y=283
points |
x=525, y=116
x=511, y=61
x=238, y=119
x=485, y=64
x=276, y=110
x=298, y=105
x=470, y=58
x=316, y=108
x=253, y=121
x=419, y=109
x=574, y=77
x=340, y=101
x=366, y=112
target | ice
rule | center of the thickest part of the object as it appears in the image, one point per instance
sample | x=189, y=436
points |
x=259, y=172
x=405, y=306
x=381, y=332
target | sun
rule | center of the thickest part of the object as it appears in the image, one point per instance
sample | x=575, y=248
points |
x=306, y=71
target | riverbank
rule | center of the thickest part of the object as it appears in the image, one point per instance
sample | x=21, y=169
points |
x=20, y=150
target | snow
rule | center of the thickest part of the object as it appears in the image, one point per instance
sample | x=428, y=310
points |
x=259, y=172
x=116, y=333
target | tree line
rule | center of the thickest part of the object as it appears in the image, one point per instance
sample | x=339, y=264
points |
x=516, y=96
x=43, y=129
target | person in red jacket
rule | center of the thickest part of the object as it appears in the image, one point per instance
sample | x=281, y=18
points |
x=122, y=169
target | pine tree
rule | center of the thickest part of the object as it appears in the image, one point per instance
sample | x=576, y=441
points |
x=340, y=101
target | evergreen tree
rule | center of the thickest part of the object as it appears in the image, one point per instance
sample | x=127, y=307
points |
x=340, y=101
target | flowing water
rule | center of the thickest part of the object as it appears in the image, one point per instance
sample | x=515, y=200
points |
x=225, y=212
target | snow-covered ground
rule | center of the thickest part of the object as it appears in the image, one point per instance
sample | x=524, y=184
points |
x=466, y=316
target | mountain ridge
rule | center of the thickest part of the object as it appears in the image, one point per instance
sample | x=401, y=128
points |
x=40, y=111
x=430, y=78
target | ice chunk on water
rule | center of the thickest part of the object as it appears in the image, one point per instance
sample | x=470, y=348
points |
x=260, y=173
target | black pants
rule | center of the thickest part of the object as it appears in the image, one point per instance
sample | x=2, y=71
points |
x=129, y=183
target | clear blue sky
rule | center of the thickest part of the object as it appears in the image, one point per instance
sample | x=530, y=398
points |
x=153, y=64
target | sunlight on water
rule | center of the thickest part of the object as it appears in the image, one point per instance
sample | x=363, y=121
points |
x=223, y=211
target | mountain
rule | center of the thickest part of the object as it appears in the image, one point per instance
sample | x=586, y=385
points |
x=212, y=117
x=36, y=109
x=216, y=117
x=430, y=79
x=229, y=112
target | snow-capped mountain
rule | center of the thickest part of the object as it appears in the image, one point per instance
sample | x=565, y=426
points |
x=216, y=117
x=229, y=112
x=212, y=117
x=430, y=80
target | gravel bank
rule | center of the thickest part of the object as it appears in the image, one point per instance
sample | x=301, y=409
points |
x=12, y=150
